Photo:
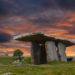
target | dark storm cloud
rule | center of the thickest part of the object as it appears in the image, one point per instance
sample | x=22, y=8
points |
x=47, y=18
x=40, y=20
x=67, y=4
x=35, y=7
x=19, y=7
x=62, y=4
x=4, y=37
x=3, y=11
x=44, y=22
x=26, y=7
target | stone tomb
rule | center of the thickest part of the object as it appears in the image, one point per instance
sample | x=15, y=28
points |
x=45, y=48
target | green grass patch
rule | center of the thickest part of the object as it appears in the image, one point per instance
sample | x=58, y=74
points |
x=52, y=68
x=6, y=60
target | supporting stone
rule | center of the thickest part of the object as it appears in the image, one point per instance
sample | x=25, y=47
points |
x=61, y=52
x=38, y=53
x=35, y=53
x=51, y=51
x=43, y=55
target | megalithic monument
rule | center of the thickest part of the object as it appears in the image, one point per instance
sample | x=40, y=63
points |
x=43, y=47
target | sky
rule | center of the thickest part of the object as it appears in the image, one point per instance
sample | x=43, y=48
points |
x=53, y=17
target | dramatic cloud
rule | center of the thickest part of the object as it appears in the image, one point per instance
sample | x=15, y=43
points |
x=54, y=17
x=3, y=11
x=59, y=4
x=4, y=37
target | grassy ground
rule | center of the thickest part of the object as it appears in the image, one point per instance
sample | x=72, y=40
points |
x=53, y=68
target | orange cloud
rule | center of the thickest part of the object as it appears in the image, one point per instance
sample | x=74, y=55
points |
x=26, y=26
x=65, y=21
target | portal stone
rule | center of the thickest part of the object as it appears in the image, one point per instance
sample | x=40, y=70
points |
x=51, y=51
x=43, y=54
x=35, y=53
x=40, y=53
x=61, y=51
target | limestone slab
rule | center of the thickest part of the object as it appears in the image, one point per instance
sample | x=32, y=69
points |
x=51, y=51
x=35, y=53
x=43, y=54
x=61, y=51
x=41, y=37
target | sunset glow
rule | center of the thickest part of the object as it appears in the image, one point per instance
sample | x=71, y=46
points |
x=53, y=17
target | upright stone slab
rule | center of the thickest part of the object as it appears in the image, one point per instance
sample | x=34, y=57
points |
x=35, y=53
x=61, y=51
x=51, y=51
x=43, y=55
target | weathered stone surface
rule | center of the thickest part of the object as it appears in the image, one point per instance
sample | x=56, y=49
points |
x=35, y=36
x=43, y=55
x=65, y=41
x=40, y=54
x=41, y=37
x=61, y=51
x=73, y=59
x=35, y=53
x=51, y=51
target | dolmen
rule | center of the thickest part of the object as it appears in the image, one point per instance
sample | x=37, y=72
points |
x=45, y=48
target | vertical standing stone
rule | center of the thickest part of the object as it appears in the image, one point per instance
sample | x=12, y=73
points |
x=61, y=51
x=35, y=53
x=51, y=51
x=43, y=55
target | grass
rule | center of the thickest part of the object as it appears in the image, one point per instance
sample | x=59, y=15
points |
x=52, y=68
x=6, y=60
x=9, y=60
